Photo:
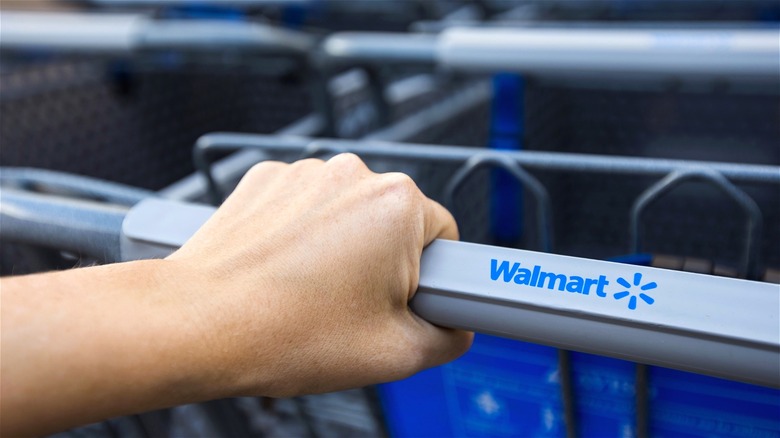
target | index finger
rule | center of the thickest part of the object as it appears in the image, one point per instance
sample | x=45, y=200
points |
x=439, y=223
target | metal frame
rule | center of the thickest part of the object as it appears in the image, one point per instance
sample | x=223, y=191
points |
x=747, y=55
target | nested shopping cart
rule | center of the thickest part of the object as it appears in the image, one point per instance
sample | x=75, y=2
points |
x=122, y=96
x=649, y=209
x=669, y=329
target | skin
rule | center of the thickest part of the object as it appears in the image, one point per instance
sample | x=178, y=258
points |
x=298, y=284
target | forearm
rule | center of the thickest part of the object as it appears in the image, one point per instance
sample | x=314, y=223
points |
x=82, y=345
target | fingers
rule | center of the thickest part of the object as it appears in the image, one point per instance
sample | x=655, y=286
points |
x=348, y=164
x=439, y=345
x=439, y=223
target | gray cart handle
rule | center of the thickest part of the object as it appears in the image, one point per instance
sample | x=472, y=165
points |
x=636, y=52
x=124, y=33
x=710, y=325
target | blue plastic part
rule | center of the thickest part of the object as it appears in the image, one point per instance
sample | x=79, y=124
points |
x=204, y=11
x=500, y=388
x=294, y=16
x=504, y=388
x=691, y=405
x=641, y=259
x=506, y=133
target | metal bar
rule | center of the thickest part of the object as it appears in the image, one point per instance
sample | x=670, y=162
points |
x=222, y=35
x=723, y=53
x=685, y=321
x=550, y=161
x=733, y=53
x=66, y=184
x=436, y=114
x=654, y=316
x=381, y=46
x=568, y=397
x=544, y=207
x=125, y=33
x=642, y=400
x=88, y=228
x=751, y=251
x=195, y=186
x=88, y=32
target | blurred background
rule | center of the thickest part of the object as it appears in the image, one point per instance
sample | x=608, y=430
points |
x=104, y=100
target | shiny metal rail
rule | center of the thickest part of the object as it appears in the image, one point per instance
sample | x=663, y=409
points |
x=124, y=33
x=652, y=316
x=749, y=54
x=668, y=318
x=553, y=161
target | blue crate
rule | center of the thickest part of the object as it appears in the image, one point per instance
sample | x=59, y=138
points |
x=505, y=388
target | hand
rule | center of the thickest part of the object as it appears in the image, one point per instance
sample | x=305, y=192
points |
x=303, y=278
x=298, y=284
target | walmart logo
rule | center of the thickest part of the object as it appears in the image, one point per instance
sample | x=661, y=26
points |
x=627, y=293
x=536, y=276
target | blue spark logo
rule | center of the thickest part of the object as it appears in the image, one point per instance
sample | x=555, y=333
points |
x=645, y=287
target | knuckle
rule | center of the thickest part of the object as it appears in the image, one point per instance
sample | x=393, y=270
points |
x=407, y=196
x=307, y=163
x=347, y=160
x=401, y=182
x=263, y=167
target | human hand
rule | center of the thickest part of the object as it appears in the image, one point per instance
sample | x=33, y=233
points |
x=300, y=282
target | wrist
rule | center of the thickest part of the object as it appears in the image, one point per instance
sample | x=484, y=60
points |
x=217, y=347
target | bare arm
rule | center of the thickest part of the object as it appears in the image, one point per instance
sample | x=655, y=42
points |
x=298, y=284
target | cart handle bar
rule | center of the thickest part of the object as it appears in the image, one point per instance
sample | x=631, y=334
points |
x=710, y=325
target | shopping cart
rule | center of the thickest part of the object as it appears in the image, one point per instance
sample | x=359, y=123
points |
x=573, y=210
x=734, y=346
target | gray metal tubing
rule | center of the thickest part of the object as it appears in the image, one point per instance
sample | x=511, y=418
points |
x=221, y=35
x=66, y=184
x=378, y=46
x=544, y=207
x=733, y=53
x=233, y=167
x=551, y=161
x=710, y=325
x=125, y=33
x=436, y=114
x=751, y=250
x=642, y=400
x=69, y=31
x=568, y=397
x=528, y=18
x=210, y=143
x=723, y=53
x=194, y=186
x=88, y=228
